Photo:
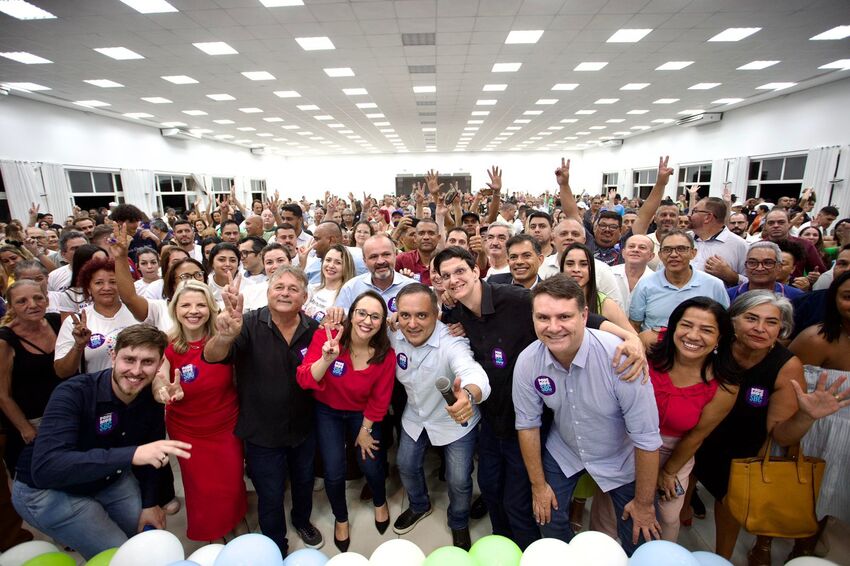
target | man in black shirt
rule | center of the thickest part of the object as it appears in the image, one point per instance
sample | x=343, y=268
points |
x=266, y=346
x=75, y=483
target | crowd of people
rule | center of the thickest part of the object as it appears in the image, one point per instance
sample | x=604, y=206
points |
x=571, y=348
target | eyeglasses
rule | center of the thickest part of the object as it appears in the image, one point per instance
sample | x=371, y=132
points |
x=766, y=263
x=608, y=227
x=196, y=275
x=680, y=250
x=243, y=254
x=699, y=211
x=362, y=314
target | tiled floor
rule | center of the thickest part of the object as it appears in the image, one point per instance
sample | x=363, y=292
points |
x=433, y=533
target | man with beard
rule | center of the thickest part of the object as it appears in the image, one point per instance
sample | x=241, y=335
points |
x=418, y=259
x=540, y=226
x=738, y=225
x=184, y=238
x=666, y=219
x=777, y=229
x=75, y=483
x=497, y=237
x=286, y=236
x=380, y=257
x=327, y=234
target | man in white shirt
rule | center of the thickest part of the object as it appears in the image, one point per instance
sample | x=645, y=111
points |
x=425, y=350
x=636, y=257
x=184, y=238
x=495, y=243
x=719, y=252
x=60, y=279
x=292, y=214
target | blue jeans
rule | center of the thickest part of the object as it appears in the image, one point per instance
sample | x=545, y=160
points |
x=335, y=428
x=504, y=484
x=563, y=486
x=267, y=468
x=458, y=454
x=88, y=524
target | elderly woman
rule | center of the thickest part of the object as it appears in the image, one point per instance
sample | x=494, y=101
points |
x=771, y=402
x=763, y=267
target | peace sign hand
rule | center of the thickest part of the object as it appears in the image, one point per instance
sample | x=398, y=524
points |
x=823, y=401
x=330, y=349
x=562, y=173
x=664, y=172
x=80, y=332
x=172, y=390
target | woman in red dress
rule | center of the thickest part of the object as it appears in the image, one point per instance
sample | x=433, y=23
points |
x=202, y=409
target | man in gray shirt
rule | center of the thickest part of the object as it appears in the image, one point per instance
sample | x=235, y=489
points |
x=603, y=425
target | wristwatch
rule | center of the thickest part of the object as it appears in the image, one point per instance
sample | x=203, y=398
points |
x=369, y=430
x=470, y=395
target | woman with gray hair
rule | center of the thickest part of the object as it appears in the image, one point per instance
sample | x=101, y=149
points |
x=772, y=401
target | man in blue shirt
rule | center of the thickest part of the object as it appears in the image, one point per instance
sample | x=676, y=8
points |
x=762, y=266
x=603, y=425
x=75, y=483
x=379, y=254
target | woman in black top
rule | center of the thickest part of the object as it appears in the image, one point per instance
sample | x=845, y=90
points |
x=27, y=340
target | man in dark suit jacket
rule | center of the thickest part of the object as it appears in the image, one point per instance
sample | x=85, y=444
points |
x=524, y=259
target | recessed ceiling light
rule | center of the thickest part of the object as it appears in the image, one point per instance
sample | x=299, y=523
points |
x=494, y=87
x=615, y=120
x=91, y=103
x=775, y=86
x=138, y=115
x=323, y=117
x=215, y=48
x=757, y=65
x=273, y=119
x=247, y=129
x=547, y=101
x=727, y=101
x=380, y=124
x=366, y=105
x=839, y=32
x=841, y=64
x=639, y=128
x=25, y=58
x=150, y=6
x=674, y=65
x=704, y=86
x=522, y=121
x=506, y=67
x=569, y=120
x=524, y=36
x=224, y=122
x=308, y=107
x=180, y=79
x=173, y=124
x=565, y=86
x=634, y=86
x=259, y=75
x=480, y=113
x=637, y=112
x=691, y=112
x=471, y=129
x=423, y=89
x=156, y=100
x=532, y=113
x=24, y=10
x=220, y=97
x=375, y=115
x=628, y=35
x=265, y=135
x=734, y=34
x=291, y=127
x=485, y=102
x=607, y=101
x=663, y=121
x=474, y=122
x=29, y=87
x=666, y=101
x=585, y=112
x=336, y=126
x=287, y=94
x=339, y=72
x=355, y=91
x=555, y=128
x=315, y=43
x=591, y=66
x=104, y=83
x=429, y=129
x=195, y=112
x=250, y=110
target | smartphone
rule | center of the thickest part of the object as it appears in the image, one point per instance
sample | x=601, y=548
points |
x=680, y=491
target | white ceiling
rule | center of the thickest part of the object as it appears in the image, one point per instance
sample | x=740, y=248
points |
x=470, y=39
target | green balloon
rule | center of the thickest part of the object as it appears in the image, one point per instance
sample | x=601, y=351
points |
x=51, y=559
x=449, y=556
x=495, y=550
x=102, y=558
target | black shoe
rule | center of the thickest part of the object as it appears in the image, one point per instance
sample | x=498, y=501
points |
x=342, y=544
x=311, y=536
x=478, y=509
x=407, y=520
x=382, y=525
x=366, y=493
x=460, y=538
x=697, y=505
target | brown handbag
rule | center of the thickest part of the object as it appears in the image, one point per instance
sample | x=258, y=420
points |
x=773, y=496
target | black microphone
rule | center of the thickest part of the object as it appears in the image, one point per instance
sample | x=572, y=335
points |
x=444, y=386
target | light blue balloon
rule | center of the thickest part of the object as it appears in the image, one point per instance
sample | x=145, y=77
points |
x=710, y=559
x=306, y=557
x=250, y=550
x=662, y=553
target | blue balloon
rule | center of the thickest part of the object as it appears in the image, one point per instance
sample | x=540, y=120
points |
x=250, y=550
x=710, y=559
x=662, y=553
x=306, y=557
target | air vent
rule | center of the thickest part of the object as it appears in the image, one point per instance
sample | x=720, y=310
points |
x=408, y=39
x=426, y=122
x=421, y=69
x=426, y=103
x=427, y=113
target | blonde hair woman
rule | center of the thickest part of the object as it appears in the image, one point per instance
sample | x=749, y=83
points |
x=337, y=269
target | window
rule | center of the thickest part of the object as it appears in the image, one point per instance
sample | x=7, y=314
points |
x=609, y=182
x=774, y=177
x=698, y=174
x=644, y=180
x=95, y=189
x=222, y=184
x=404, y=182
x=258, y=189
x=173, y=192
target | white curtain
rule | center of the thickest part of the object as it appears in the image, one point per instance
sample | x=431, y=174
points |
x=840, y=190
x=24, y=187
x=733, y=170
x=718, y=177
x=203, y=185
x=625, y=184
x=820, y=169
x=243, y=191
x=58, y=191
x=140, y=189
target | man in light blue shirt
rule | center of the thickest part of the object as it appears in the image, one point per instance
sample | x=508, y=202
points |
x=603, y=425
x=426, y=350
x=379, y=254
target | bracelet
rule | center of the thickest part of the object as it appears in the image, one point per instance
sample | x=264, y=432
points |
x=369, y=430
x=470, y=395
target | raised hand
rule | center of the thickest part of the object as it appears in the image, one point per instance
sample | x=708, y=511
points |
x=693, y=189
x=727, y=193
x=823, y=401
x=228, y=323
x=495, y=183
x=34, y=209
x=562, y=173
x=432, y=183
x=118, y=243
x=664, y=172
x=80, y=332
x=418, y=192
x=171, y=391
x=330, y=349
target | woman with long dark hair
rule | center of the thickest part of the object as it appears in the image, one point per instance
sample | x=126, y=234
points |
x=577, y=262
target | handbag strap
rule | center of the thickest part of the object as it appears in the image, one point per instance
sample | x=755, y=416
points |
x=794, y=451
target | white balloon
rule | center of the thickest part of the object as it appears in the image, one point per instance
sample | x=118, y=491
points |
x=593, y=547
x=396, y=552
x=810, y=561
x=19, y=554
x=206, y=555
x=547, y=551
x=348, y=559
x=150, y=548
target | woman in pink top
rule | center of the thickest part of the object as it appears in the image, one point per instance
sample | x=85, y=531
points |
x=351, y=373
x=695, y=379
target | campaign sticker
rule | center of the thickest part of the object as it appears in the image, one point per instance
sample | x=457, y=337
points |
x=338, y=368
x=105, y=423
x=499, y=358
x=319, y=316
x=417, y=277
x=303, y=352
x=391, y=305
x=402, y=361
x=96, y=341
x=757, y=396
x=544, y=385
x=188, y=373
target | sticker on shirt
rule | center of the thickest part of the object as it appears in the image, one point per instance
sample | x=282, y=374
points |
x=402, y=361
x=417, y=277
x=189, y=373
x=544, y=385
x=338, y=369
x=96, y=341
x=498, y=356
x=756, y=396
x=319, y=316
x=391, y=305
x=303, y=352
x=105, y=423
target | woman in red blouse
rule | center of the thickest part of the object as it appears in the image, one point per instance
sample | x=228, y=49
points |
x=351, y=373
x=695, y=379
